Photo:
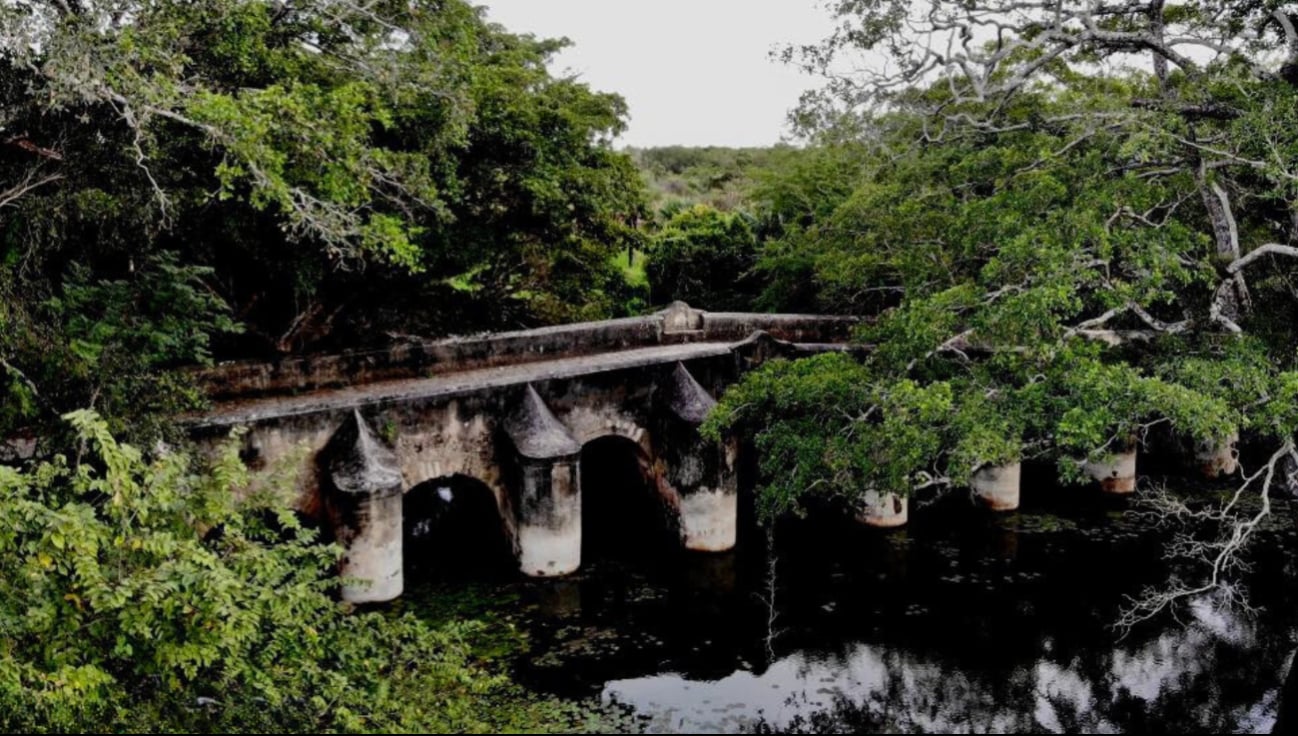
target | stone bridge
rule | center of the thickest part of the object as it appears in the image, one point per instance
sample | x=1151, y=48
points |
x=513, y=411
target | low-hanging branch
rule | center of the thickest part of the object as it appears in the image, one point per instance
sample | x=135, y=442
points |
x=1220, y=554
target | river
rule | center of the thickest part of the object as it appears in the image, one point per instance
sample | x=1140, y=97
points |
x=963, y=621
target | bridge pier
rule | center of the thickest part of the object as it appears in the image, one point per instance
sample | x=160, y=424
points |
x=1116, y=472
x=549, y=518
x=708, y=519
x=548, y=495
x=699, y=474
x=997, y=486
x=883, y=510
x=1218, y=458
x=363, y=499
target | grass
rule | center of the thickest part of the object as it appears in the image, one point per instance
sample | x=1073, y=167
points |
x=632, y=265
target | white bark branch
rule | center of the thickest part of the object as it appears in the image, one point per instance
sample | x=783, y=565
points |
x=11, y=195
x=1220, y=555
x=1290, y=33
x=1262, y=250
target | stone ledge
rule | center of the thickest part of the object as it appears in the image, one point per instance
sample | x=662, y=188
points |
x=677, y=325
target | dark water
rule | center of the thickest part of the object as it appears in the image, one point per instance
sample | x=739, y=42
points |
x=961, y=622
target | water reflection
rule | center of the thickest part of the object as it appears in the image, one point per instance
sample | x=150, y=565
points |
x=1174, y=681
x=958, y=624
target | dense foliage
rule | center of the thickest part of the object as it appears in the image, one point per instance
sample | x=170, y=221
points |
x=1065, y=225
x=753, y=214
x=1054, y=256
x=323, y=174
x=185, y=182
x=705, y=257
x=722, y=178
x=143, y=595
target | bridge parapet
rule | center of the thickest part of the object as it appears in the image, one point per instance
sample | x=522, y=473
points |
x=515, y=412
x=677, y=324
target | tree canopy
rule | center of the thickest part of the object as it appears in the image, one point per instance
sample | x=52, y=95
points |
x=1066, y=225
x=1073, y=222
x=321, y=174
x=187, y=182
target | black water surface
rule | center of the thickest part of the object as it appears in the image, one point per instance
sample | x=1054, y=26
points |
x=963, y=621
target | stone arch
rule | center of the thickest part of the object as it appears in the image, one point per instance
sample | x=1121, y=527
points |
x=452, y=523
x=488, y=475
x=589, y=425
x=637, y=441
x=624, y=509
x=454, y=438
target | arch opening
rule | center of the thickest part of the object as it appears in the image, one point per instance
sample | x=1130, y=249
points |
x=453, y=530
x=623, y=514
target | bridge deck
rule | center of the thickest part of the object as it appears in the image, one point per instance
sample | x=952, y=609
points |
x=250, y=411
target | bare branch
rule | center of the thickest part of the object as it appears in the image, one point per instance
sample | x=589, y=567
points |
x=1094, y=322
x=22, y=378
x=11, y=195
x=1217, y=310
x=1262, y=250
x=1091, y=329
x=1290, y=34
x=1220, y=555
x=768, y=599
x=26, y=144
x=141, y=161
x=1172, y=328
x=1114, y=338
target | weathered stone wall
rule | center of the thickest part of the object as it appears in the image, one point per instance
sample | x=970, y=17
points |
x=460, y=433
x=677, y=324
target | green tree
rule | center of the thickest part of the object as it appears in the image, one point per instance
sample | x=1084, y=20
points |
x=1033, y=223
x=793, y=198
x=681, y=176
x=704, y=257
x=142, y=595
x=324, y=175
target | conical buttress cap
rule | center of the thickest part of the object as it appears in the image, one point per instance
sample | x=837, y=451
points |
x=685, y=397
x=536, y=432
x=359, y=462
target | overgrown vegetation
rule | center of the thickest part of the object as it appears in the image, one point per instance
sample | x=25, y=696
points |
x=706, y=257
x=160, y=595
x=323, y=174
x=186, y=182
x=679, y=177
x=1066, y=225
x=1063, y=224
x=734, y=228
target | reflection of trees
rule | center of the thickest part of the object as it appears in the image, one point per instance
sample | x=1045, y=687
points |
x=1215, y=674
x=986, y=653
x=1286, y=717
x=944, y=628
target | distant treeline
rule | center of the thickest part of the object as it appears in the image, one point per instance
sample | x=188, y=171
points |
x=717, y=176
x=729, y=225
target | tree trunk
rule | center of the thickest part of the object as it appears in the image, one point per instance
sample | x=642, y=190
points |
x=1286, y=717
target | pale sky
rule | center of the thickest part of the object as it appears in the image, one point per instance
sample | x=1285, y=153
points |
x=694, y=72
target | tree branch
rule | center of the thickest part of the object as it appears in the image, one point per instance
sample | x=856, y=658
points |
x=11, y=195
x=1220, y=554
x=1263, y=250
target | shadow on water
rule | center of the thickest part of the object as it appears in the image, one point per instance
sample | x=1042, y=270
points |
x=623, y=517
x=453, y=531
x=962, y=621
